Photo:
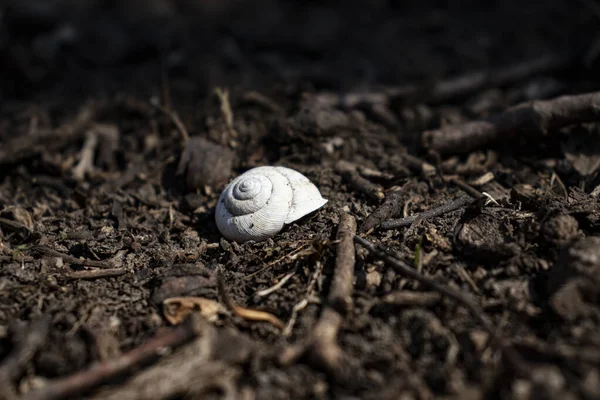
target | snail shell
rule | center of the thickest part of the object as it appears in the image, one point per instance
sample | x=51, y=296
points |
x=257, y=204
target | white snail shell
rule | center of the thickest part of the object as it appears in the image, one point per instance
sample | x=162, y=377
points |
x=257, y=204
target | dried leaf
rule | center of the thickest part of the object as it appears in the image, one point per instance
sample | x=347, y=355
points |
x=177, y=309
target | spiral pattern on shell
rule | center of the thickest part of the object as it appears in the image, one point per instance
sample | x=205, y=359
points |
x=257, y=204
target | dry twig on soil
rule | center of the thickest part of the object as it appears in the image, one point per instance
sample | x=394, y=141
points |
x=532, y=118
x=211, y=363
x=468, y=189
x=405, y=298
x=185, y=136
x=321, y=347
x=418, y=165
x=515, y=360
x=275, y=287
x=12, y=366
x=391, y=207
x=13, y=225
x=102, y=136
x=259, y=99
x=226, y=111
x=301, y=305
x=86, y=161
x=16, y=258
x=26, y=146
x=96, y=273
x=70, y=259
x=454, y=205
x=340, y=294
x=97, y=374
x=350, y=173
x=447, y=89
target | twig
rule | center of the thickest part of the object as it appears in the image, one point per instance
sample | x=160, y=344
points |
x=406, y=298
x=341, y=287
x=321, y=346
x=449, y=88
x=190, y=377
x=24, y=350
x=174, y=118
x=246, y=313
x=556, y=178
x=418, y=165
x=263, y=101
x=88, y=379
x=434, y=212
x=301, y=305
x=471, y=191
x=16, y=257
x=277, y=286
x=70, y=259
x=289, y=326
x=97, y=273
x=483, y=179
x=511, y=356
x=86, y=161
x=531, y=118
x=474, y=82
x=211, y=363
x=13, y=225
x=349, y=172
x=26, y=146
x=579, y=354
x=391, y=207
x=226, y=112
x=302, y=251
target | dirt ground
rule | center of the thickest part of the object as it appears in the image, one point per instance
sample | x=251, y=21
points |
x=103, y=227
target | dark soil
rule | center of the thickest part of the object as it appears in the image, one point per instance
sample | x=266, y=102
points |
x=106, y=78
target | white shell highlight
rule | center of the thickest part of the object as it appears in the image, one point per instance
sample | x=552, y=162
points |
x=259, y=203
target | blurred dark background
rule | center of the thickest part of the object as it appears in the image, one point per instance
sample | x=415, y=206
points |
x=74, y=48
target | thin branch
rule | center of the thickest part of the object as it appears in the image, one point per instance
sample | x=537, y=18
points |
x=418, y=165
x=12, y=151
x=70, y=259
x=301, y=305
x=86, y=161
x=185, y=136
x=476, y=311
x=226, y=111
x=96, y=273
x=468, y=189
x=340, y=294
x=321, y=347
x=13, y=225
x=391, y=207
x=263, y=101
x=350, y=173
x=275, y=287
x=97, y=374
x=454, y=205
x=24, y=350
x=527, y=119
x=450, y=88
x=16, y=258
x=405, y=298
